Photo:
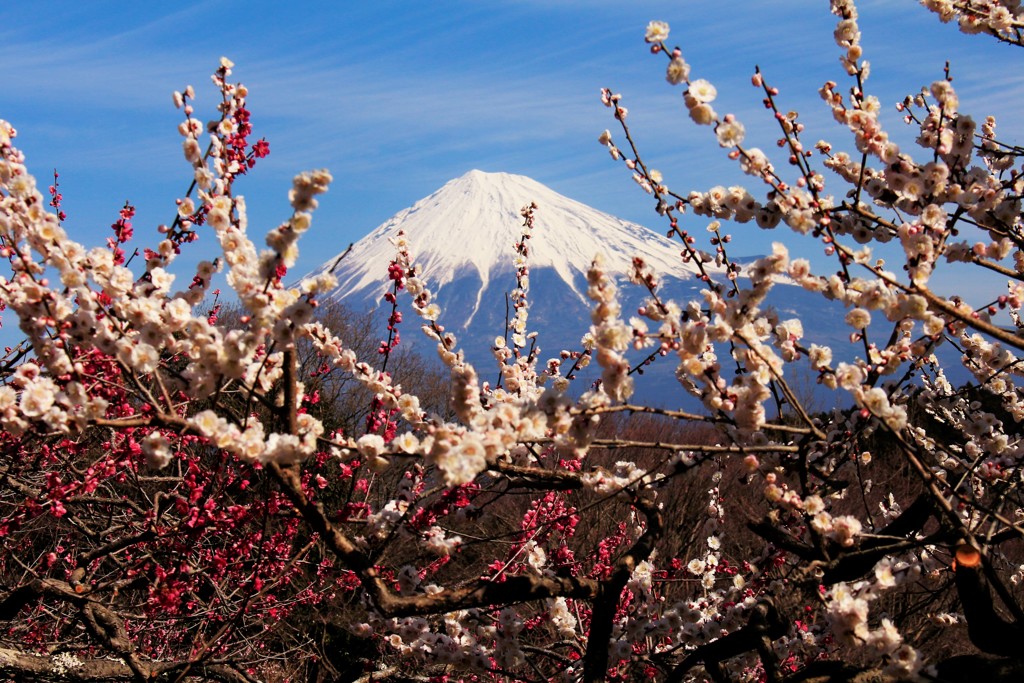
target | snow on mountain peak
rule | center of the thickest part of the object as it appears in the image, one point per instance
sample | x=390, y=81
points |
x=471, y=224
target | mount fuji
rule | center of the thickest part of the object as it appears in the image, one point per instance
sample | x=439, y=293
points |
x=467, y=229
x=461, y=237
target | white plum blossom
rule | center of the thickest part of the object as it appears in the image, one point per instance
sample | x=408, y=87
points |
x=730, y=132
x=156, y=448
x=678, y=71
x=657, y=32
x=702, y=91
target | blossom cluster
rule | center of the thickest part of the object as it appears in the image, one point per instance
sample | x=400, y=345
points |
x=998, y=18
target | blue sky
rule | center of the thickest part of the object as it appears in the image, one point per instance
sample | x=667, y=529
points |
x=398, y=98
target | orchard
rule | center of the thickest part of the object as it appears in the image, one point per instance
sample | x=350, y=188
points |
x=263, y=491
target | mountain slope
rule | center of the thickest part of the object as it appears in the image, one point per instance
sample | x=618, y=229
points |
x=467, y=229
x=462, y=239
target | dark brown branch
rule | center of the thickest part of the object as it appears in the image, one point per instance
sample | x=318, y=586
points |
x=765, y=623
x=987, y=629
x=605, y=604
x=34, y=668
x=478, y=593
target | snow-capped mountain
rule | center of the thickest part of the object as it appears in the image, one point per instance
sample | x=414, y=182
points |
x=462, y=239
x=468, y=229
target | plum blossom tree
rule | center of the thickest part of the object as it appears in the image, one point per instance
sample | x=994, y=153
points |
x=176, y=502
